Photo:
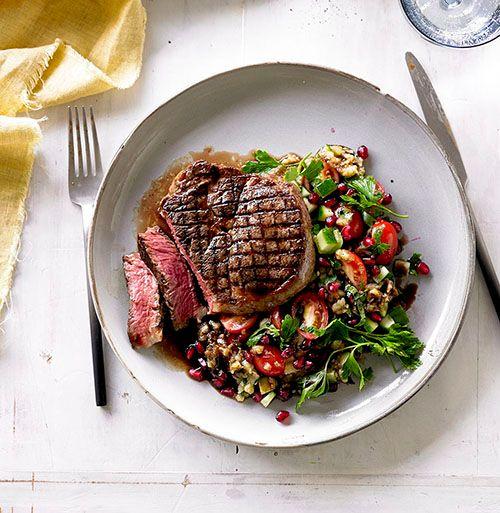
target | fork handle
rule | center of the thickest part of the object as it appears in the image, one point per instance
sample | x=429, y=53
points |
x=95, y=327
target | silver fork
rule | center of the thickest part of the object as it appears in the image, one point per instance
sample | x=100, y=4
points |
x=84, y=179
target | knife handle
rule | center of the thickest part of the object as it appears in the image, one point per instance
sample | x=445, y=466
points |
x=486, y=265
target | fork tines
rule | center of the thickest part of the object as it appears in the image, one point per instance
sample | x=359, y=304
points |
x=78, y=122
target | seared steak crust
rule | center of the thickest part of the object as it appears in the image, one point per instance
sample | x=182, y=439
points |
x=246, y=237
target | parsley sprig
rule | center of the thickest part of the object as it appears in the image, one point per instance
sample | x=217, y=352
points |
x=309, y=167
x=284, y=335
x=379, y=247
x=263, y=163
x=398, y=342
x=368, y=197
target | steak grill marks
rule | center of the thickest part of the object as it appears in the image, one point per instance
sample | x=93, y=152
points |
x=243, y=235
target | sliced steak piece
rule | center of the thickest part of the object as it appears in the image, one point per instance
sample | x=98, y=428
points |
x=144, y=313
x=246, y=237
x=174, y=277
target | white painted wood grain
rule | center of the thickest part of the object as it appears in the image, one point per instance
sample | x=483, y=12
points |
x=441, y=450
x=212, y=493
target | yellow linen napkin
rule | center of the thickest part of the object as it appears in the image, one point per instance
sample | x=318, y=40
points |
x=18, y=137
x=54, y=52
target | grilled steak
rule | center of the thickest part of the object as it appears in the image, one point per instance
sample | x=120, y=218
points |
x=144, y=314
x=246, y=237
x=174, y=277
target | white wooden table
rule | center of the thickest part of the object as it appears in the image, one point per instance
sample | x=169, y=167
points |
x=59, y=453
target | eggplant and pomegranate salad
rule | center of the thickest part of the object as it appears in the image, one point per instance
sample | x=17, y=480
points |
x=283, y=275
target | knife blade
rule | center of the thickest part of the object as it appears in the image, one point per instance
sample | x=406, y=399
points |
x=438, y=122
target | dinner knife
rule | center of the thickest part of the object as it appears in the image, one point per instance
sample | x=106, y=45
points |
x=438, y=123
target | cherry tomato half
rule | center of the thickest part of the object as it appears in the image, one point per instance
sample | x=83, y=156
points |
x=353, y=267
x=312, y=310
x=347, y=216
x=276, y=317
x=388, y=235
x=269, y=362
x=238, y=323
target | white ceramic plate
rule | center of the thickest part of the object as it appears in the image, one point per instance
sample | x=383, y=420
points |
x=290, y=107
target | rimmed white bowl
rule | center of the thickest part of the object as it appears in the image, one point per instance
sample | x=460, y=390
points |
x=290, y=107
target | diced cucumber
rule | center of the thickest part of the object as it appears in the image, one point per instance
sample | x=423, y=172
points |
x=305, y=193
x=400, y=316
x=267, y=399
x=383, y=309
x=324, y=213
x=370, y=325
x=264, y=385
x=382, y=274
x=309, y=205
x=328, y=240
x=387, y=322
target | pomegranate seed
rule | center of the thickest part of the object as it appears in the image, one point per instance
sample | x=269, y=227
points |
x=423, y=268
x=314, y=198
x=397, y=226
x=203, y=363
x=265, y=339
x=331, y=220
x=287, y=352
x=257, y=397
x=299, y=363
x=375, y=270
x=322, y=293
x=342, y=188
x=369, y=261
x=352, y=322
x=222, y=375
x=199, y=348
x=375, y=317
x=309, y=365
x=362, y=152
x=218, y=382
x=333, y=286
x=346, y=233
x=282, y=415
x=241, y=338
x=386, y=199
x=323, y=262
x=228, y=392
x=284, y=394
x=197, y=374
x=190, y=352
x=368, y=241
x=350, y=191
x=331, y=203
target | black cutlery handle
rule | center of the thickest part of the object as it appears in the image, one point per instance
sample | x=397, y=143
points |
x=95, y=327
x=486, y=265
x=97, y=356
